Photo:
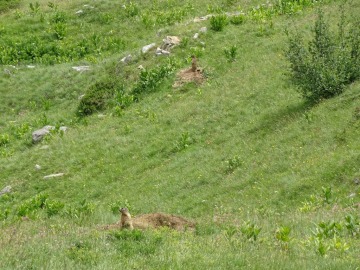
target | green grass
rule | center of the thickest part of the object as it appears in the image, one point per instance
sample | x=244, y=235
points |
x=241, y=149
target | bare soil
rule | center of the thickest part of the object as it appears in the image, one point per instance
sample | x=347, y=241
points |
x=187, y=75
x=156, y=220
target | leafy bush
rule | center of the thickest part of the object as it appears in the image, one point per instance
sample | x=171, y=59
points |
x=82, y=209
x=123, y=99
x=150, y=79
x=52, y=50
x=97, y=97
x=237, y=19
x=329, y=62
x=292, y=6
x=29, y=206
x=231, y=53
x=251, y=231
x=53, y=207
x=218, y=22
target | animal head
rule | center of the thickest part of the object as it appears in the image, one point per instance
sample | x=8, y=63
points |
x=124, y=211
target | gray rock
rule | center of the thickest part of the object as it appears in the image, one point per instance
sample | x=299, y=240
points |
x=53, y=175
x=169, y=42
x=126, y=59
x=356, y=181
x=37, y=135
x=196, y=36
x=81, y=68
x=79, y=12
x=203, y=29
x=37, y=166
x=162, y=52
x=203, y=18
x=146, y=48
x=5, y=190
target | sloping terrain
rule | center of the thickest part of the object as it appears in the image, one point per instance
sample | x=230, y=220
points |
x=271, y=182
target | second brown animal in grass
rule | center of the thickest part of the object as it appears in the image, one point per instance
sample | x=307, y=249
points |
x=154, y=220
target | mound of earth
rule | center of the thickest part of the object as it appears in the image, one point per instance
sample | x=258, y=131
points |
x=156, y=220
x=187, y=75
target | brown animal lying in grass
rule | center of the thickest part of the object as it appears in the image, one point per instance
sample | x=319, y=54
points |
x=155, y=220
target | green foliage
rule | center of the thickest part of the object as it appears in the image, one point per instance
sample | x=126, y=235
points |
x=131, y=242
x=327, y=195
x=233, y=163
x=83, y=253
x=328, y=229
x=250, y=230
x=218, y=22
x=352, y=224
x=82, y=209
x=97, y=97
x=237, y=19
x=183, y=142
x=328, y=63
x=4, y=139
x=59, y=30
x=31, y=205
x=115, y=206
x=282, y=162
x=149, y=80
x=53, y=207
x=5, y=5
x=132, y=9
x=231, y=53
x=123, y=99
x=282, y=235
x=130, y=235
x=4, y=213
x=35, y=8
x=292, y=6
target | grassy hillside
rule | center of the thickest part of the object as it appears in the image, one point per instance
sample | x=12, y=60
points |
x=269, y=179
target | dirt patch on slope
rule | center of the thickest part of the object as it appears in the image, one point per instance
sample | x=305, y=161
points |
x=187, y=75
x=157, y=220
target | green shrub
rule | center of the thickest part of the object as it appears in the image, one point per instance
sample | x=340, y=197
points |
x=83, y=208
x=251, y=231
x=237, y=19
x=218, y=22
x=231, y=53
x=31, y=205
x=149, y=80
x=53, y=207
x=97, y=97
x=292, y=6
x=329, y=62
